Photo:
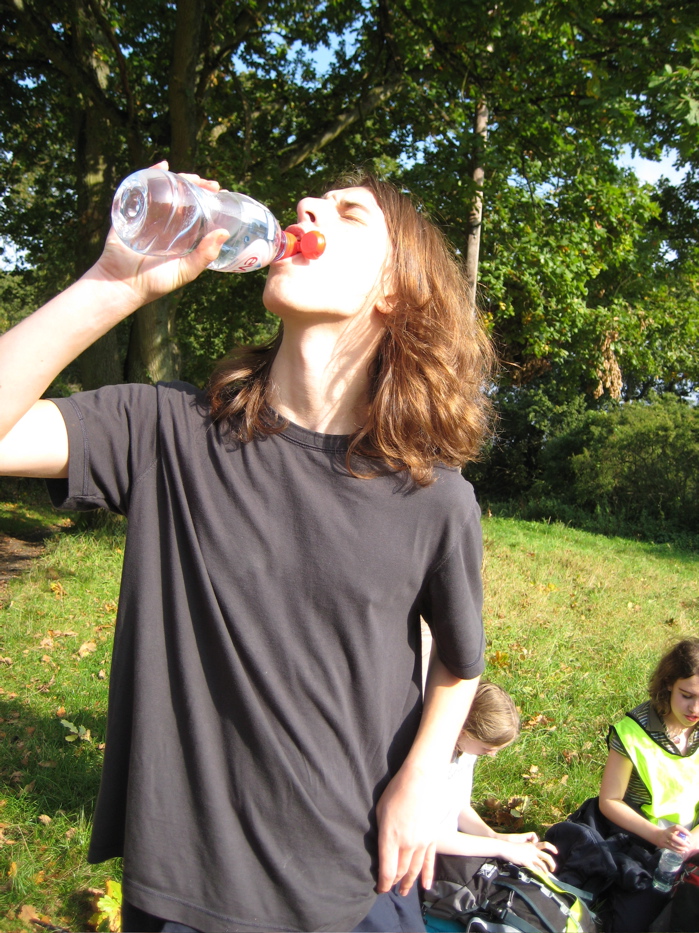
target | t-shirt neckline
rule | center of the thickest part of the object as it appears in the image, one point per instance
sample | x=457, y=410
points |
x=306, y=438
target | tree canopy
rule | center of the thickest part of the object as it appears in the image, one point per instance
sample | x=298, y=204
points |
x=587, y=279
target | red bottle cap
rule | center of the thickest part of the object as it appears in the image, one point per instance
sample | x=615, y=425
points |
x=311, y=245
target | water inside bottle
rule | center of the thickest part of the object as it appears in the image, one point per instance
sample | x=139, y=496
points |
x=153, y=215
x=255, y=240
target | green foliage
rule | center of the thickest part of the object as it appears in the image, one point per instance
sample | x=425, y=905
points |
x=629, y=469
x=638, y=461
x=107, y=917
x=526, y=419
x=581, y=267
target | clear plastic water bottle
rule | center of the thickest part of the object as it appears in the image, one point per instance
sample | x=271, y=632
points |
x=160, y=213
x=667, y=869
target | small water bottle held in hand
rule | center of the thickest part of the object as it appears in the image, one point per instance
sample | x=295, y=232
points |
x=667, y=869
x=159, y=213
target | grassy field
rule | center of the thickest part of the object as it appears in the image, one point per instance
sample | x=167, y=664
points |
x=575, y=623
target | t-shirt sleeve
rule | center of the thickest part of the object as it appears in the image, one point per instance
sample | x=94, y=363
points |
x=615, y=743
x=112, y=436
x=452, y=602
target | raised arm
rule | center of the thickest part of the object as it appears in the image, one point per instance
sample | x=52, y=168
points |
x=406, y=832
x=33, y=440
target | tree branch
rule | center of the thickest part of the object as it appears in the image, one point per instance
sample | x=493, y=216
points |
x=106, y=28
x=376, y=96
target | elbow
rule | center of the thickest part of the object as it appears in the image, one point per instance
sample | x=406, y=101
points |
x=606, y=805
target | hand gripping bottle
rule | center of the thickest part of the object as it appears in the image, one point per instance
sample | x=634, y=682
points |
x=162, y=214
x=667, y=868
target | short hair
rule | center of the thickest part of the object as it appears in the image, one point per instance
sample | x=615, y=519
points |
x=429, y=379
x=493, y=718
x=679, y=663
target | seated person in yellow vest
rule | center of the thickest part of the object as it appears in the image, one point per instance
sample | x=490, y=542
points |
x=650, y=785
x=491, y=725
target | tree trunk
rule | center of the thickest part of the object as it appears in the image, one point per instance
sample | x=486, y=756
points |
x=153, y=355
x=100, y=364
x=475, y=217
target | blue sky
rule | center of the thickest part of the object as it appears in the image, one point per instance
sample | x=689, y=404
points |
x=649, y=171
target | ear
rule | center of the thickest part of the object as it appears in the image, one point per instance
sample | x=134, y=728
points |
x=385, y=304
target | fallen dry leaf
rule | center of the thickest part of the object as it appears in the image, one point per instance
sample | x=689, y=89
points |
x=86, y=648
x=45, y=819
x=28, y=914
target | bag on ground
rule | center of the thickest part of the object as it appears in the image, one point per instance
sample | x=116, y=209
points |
x=495, y=896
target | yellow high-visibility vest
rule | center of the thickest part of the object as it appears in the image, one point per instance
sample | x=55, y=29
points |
x=672, y=780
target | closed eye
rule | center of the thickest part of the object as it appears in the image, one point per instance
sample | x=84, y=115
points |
x=352, y=210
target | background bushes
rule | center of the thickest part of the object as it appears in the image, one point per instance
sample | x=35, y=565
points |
x=627, y=469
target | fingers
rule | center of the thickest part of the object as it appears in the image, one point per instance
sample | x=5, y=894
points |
x=415, y=867
x=427, y=874
x=211, y=244
x=207, y=183
x=402, y=867
x=547, y=861
x=388, y=865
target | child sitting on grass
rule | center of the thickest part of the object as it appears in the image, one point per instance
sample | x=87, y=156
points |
x=491, y=725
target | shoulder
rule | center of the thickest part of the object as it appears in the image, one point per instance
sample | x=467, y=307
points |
x=452, y=492
x=643, y=714
x=136, y=408
x=182, y=396
x=639, y=715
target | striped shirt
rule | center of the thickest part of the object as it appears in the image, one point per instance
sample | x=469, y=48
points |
x=651, y=721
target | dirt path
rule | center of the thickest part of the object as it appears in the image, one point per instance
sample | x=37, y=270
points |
x=16, y=557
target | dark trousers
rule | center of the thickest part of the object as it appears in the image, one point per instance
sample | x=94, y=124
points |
x=635, y=911
x=390, y=913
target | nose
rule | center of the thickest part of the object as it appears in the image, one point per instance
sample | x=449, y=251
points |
x=310, y=209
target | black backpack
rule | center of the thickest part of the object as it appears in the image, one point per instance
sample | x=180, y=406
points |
x=495, y=896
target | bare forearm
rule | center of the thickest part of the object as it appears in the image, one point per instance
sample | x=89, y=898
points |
x=471, y=822
x=447, y=702
x=39, y=347
x=458, y=843
x=406, y=840
x=536, y=856
x=625, y=816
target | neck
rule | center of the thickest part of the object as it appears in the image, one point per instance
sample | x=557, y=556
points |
x=678, y=733
x=320, y=376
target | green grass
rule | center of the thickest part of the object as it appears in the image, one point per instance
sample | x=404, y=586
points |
x=575, y=623
x=56, y=628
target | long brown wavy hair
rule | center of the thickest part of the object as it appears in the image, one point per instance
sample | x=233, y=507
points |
x=679, y=663
x=428, y=401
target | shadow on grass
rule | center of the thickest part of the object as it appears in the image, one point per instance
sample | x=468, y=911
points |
x=48, y=789
x=39, y=769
